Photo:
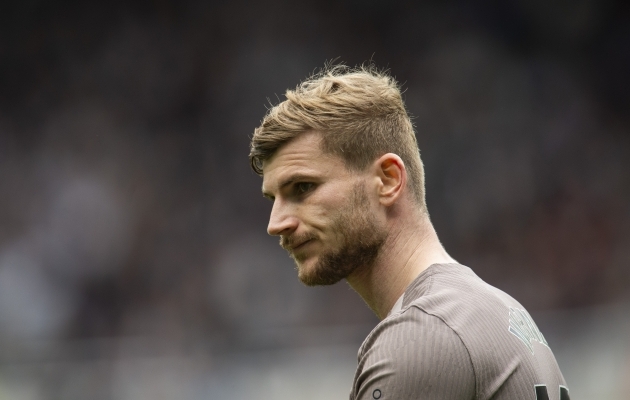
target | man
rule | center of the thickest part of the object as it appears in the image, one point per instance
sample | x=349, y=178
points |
x=340, y=161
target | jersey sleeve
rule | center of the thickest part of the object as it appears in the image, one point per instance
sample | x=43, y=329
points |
x=414, y=355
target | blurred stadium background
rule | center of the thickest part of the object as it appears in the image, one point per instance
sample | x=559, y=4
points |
x=134, y=262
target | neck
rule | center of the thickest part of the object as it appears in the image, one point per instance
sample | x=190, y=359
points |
x=410, y=249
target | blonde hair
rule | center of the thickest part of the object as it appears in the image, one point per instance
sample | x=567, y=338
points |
x=358, y=111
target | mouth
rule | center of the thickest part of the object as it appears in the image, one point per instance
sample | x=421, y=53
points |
x=296, y=242
x=300, y=245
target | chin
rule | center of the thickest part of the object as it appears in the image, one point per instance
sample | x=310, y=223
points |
x=314, y=273
x=305, y=268
x=307, y=271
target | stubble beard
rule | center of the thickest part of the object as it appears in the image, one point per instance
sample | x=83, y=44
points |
x=361, y=239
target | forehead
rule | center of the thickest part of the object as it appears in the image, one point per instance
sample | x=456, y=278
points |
x=302, y=156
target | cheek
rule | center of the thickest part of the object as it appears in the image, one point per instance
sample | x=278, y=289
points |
x=315, y=217
x=322, y=208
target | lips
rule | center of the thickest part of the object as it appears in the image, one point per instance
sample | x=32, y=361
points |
x=295, y=247
x=296, y=242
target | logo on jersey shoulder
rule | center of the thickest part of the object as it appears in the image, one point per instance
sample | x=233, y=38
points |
x=523, y=327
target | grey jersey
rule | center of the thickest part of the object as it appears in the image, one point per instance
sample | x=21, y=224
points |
x=452, y=336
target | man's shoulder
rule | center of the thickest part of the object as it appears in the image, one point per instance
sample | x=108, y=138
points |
x=473, y=309
x=423, y=310
x=413, y=354
x=405, y=327
x=446, y=300
x=452, y=318
x=456, y=295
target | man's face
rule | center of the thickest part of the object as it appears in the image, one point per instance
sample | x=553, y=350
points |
x=321, y=211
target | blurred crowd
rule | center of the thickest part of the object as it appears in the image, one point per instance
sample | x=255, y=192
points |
x=128, y=208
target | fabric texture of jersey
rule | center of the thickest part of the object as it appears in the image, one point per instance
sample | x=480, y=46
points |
x=452, y=336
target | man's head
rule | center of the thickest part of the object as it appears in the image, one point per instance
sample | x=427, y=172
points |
x=360, y=115
x=335, y=156
x=322, y=211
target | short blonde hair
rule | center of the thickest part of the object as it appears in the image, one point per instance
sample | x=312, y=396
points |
x=360, y=114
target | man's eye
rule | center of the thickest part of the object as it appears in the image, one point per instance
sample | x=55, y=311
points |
x=303, y=187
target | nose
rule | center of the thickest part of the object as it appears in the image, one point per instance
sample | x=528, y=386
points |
x=282, y=220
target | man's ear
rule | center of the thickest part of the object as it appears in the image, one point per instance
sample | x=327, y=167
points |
x=392, y=178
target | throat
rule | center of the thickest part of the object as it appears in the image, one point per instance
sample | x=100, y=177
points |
x=399, y=262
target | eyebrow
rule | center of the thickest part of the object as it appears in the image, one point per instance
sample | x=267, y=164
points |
x=288, y=181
